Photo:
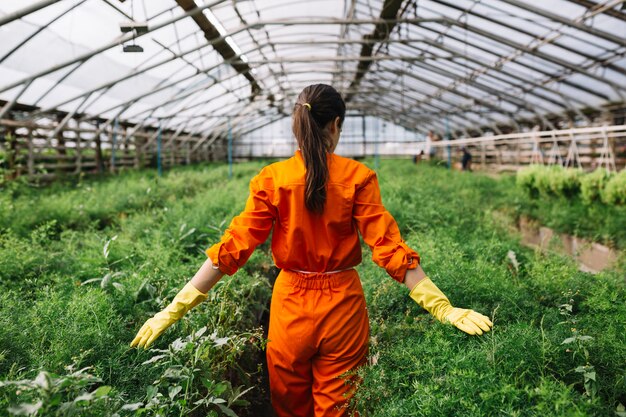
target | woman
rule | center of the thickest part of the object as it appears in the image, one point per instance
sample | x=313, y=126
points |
x=315, y=203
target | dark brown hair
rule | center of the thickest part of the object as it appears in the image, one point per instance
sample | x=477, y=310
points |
x=317, y=105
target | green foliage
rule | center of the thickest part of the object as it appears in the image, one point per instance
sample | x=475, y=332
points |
x=76, y=393
x=187, y=375
x=593, y=184
x=83, y=265
x=526, y=179
x=579, y=342
x=536, y=361
x=589, y=214
x=615, y=190
x=565, y=181
x=63, y=248
x=543, y=179
x=549, y=180
x=546, y=181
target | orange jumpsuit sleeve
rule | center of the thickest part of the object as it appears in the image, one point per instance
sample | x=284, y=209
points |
x=380, y=231
x=247, y=230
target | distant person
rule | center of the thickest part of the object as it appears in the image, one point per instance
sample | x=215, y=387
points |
x=418, y=158
x=314, y=205
x=466, y=160
x=432, y=137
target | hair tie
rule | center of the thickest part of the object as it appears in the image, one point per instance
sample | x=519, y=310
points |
x=307, y=105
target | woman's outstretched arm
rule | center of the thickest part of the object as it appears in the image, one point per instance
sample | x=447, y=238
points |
x=246, y=231
x=206, y=277
x=413, y=277
x=426, y=294
x=192, y=294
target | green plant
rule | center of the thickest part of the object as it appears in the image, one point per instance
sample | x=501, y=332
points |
x=77, y=393
x=53, y=238
x=615, y=189
x=526, y=179
x=578, y=347
x=564, y=182
x=187, y=382
x=543, y=180
x=106, y=281
x=593, y=184
x=583, y=216
x=549, y=180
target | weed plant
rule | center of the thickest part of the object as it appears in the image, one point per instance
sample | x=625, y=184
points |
x=537, y=361
x=593, y=184
x=615, y=190
x=83, y=265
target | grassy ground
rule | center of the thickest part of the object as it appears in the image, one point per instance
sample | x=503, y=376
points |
x=141, y=238
x=558, y=346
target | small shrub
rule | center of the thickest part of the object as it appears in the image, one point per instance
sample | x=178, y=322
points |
x=543, y=182
x=615, y=190
x=189, y=368
x=564, y=181
x=76, y=393
x=549, y=180
x=526, y=179
x=591, y=185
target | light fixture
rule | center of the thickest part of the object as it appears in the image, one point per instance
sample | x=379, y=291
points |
x=137, y=27
x=132, y=48
x=134, y=27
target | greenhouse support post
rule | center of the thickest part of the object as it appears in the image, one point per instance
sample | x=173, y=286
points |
x=376, y=144
x=449, y=147
x=79, y=154
x=230, y=150
x=31, y=154
x=98, y=144
x=113, y=144
x=159, y=168
x=364, y=137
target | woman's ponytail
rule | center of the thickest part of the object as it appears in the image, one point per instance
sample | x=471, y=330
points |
x=317, y=105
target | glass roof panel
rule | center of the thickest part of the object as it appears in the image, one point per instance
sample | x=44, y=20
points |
x=471, y=61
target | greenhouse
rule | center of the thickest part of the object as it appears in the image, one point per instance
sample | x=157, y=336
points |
x=312, y=208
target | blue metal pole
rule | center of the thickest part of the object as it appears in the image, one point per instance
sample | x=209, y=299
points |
x=449, y=147
x=115, y=126
x=230, y=150
x=376, y=162
x=159, y=168
x=364, y=137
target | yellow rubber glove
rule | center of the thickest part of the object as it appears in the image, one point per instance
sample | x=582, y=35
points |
x=185, y=300
x=426, y=294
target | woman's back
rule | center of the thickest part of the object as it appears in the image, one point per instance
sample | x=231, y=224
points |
x=306, y=241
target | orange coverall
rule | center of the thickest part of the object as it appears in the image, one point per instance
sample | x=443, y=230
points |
x=319, y=327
